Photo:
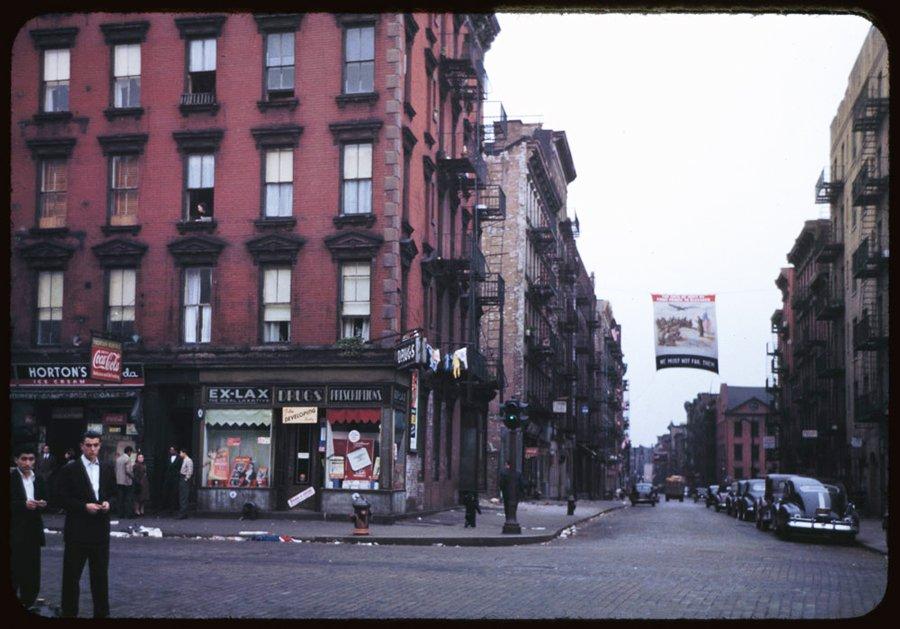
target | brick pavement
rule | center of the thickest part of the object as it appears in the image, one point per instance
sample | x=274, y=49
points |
x=673, y=561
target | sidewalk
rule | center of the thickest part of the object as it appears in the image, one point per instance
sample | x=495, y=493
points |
x=541, y=521
x=872, y=536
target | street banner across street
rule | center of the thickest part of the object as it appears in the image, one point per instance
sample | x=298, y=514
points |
x=686, y=331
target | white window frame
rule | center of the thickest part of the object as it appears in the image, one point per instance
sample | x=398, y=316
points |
x=276, y=305
x=200, y=176
x=127, y=76
x=356, y=178
x=49, y=307
x=57, y=73
x=201, y=59
x=197, y=314
x=356, y=299
x=279, y=182
x=121, y=301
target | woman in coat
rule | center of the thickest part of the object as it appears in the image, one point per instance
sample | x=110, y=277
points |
x=141, y=485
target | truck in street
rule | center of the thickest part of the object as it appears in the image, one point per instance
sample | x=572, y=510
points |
x=675, y=488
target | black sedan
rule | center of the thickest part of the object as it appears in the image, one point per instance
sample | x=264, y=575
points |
x=722, y=497
x=750, y=491
x=643, y=493
x=765, y=505
x=711, y=497
x=730, y=498
x=810, y=507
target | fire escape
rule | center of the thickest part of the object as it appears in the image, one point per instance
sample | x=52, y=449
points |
x=869, y=260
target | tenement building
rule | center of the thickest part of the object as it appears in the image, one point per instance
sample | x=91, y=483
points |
x=856, y=300
x=278, y=217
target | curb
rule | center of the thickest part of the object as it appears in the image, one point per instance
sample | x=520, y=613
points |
x=871, y=549
x=393, y=541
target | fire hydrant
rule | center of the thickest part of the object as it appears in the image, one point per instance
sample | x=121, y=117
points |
x=361, y=513
x=571, y=504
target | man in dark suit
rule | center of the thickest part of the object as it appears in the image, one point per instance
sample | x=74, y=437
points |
x=173, y=464
x=86, y=489
x=28, y=497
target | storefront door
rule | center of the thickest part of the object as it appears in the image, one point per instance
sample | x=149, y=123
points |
x=302, y=468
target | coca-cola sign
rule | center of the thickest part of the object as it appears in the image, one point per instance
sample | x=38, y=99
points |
x=106, y=360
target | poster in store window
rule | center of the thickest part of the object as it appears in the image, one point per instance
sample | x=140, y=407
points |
x=242, y=466
x=358, y=463
x=218, y=469
x=336, y=467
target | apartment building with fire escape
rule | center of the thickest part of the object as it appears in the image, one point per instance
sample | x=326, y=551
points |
x=264, y=209
x=608, y=394
x=856, y=298
x=785, y=446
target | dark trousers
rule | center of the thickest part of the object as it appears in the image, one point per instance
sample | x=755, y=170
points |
x=74, y=556
x=126, y=503
x=170, y=495
x=184, y=493
x=25, y=570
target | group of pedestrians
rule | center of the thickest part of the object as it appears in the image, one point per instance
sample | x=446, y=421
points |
x=89, y=492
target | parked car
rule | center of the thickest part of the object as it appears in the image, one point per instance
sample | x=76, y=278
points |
x=644, y=493
x=711, y=496
x=700, y=493
x=722, y=497
x=774, y=489
x=730, y=498
x=751, y=490
x=810, y=507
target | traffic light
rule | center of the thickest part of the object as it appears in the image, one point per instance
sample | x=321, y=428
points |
x=515, y=414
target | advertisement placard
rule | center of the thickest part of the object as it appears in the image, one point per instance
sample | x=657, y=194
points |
x=300, y=415
x=686, y=331
x=106, y=360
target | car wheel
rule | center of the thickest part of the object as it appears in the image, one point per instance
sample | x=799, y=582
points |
x=758, y=523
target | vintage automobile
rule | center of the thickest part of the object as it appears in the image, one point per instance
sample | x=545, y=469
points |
x=730, y=497
x=700, y=493
x=643, y=492
x=810, y=507
x=722, y=496
x=751, y=490
x=711, y=497
x=774, y=488
x=732, y=510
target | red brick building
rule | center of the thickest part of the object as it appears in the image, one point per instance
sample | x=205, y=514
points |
x=743, y=418
x=260, y=207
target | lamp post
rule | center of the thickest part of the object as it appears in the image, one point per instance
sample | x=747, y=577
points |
x=514, y=417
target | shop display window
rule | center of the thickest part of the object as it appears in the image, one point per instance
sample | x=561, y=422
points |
x=238, y=449
x=352, y=449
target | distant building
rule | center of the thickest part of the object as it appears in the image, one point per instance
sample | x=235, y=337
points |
x=700, y=441
x=743, y=416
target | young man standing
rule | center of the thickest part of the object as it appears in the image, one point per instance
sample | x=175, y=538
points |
x=86, y=489
x=184, y=483
x=124, y=482
x=28, y=498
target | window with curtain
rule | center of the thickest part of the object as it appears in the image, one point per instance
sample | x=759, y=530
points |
x=279, y=182
x=124, y=190
x=202, y=67
x=201, y=179
x=356, y=175
x=359, y=60
x=355, y=304
x=197, y=305
x=56, y=80
x=237, y=449
x=120, y=310
x=277, y=305
x=49, y=307
x=53, y=197
x=127, y=73
x=280, y=65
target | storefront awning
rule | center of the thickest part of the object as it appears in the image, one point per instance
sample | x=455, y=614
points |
x=348, y=415
x=235, y=417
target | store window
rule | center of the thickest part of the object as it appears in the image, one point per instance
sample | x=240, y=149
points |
x=352, y=447
x=238, y=448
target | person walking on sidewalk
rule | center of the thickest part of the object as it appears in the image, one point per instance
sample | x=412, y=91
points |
x=141, y=485
x=470, y=499
x=28, y=497
x=87, y=492
x=184, y=483
x=124, y=480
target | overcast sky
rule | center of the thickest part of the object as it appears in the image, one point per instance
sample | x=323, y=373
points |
x=697, y=140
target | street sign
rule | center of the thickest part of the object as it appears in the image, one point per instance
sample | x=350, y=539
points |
x=809, y=434
x=559, y=406
x=303, y=495
x=856, y=442
x=769, y=442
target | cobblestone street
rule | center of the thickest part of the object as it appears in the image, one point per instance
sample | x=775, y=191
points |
x=673, y=561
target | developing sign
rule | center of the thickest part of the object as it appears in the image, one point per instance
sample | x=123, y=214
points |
x=686, y=331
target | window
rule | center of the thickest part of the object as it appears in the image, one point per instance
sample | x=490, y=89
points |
x=754, y=453
x=738, y=452
x=279, y=65
x=120, y=313
x=359, y=60
x=738, y=432
x=356, y=195
x=754, y=429
x=279, y=182
x=277, y=305
x=56, y=80
x=202, y=69
x=127, y=73
x=238, y=448
x=49, y=307
x=355, y=306
x=123, y=190
x=54, y=182
x=199, y=199
x=197, y=305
